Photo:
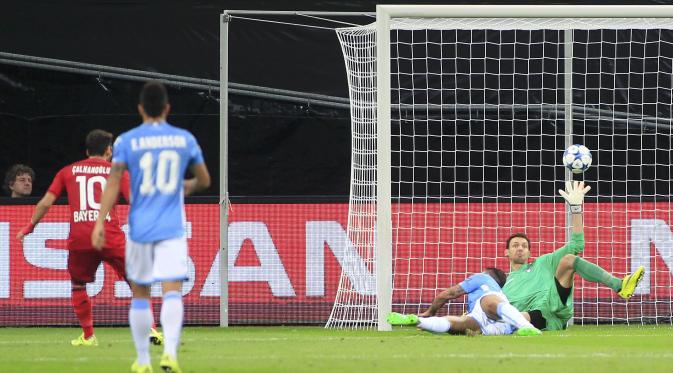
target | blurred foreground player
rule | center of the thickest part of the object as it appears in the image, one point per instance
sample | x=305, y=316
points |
x=156, y=155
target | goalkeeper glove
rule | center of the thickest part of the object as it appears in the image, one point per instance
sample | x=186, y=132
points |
x=574, y=195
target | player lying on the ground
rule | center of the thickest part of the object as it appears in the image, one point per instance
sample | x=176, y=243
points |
x=544, y=287
x=83, y=182
x=489, y=312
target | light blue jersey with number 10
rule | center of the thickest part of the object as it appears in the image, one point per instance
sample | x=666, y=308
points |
x=156, y=156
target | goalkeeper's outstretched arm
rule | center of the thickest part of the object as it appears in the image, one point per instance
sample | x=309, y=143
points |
x=440, y=300
x=574, y=196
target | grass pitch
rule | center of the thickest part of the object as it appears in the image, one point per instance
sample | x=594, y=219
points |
x=312, y=349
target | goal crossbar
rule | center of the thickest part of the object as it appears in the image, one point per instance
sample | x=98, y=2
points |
x=523, y=11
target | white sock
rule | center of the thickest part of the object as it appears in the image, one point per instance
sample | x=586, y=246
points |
x=172, y=312
x=141, y=320
x=434, y=324
x=512, y=316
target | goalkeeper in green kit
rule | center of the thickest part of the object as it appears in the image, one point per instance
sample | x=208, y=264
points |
x=544, y=287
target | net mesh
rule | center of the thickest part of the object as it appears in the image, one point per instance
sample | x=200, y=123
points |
x=478, y=129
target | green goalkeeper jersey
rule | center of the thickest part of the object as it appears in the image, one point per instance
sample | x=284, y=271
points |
x=532, y=287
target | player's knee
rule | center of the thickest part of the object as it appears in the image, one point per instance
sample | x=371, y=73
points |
x=490, y=305
x=567, y=262
x=140, y=291
x=168, y=286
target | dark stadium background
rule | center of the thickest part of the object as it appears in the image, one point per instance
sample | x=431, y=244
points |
x=278, y=149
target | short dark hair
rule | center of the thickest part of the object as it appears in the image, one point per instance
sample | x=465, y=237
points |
x=498, y=275
x=515, y=235
x=97, y=142
x=13, y=172
x=153, y=98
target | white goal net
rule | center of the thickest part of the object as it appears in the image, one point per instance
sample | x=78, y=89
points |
x=481, y=111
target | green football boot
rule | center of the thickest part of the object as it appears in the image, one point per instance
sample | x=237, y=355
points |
x=630, y=283
x=395, y=318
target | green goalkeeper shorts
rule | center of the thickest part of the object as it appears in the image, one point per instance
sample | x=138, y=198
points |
x=554, y=323
x=557, y=313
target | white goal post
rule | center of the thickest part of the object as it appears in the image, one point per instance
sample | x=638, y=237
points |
x=460, y=112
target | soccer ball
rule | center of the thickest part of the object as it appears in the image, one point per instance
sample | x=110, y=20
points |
x=577, y=158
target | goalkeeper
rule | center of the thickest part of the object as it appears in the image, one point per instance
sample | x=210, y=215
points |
x=544, y=287
x=489, y=312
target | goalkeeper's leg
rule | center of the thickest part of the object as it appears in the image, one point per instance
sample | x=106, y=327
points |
x=571, y=264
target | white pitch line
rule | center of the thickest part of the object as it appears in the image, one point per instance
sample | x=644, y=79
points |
x=228, y=338
x=459, y=356
x=596, y=355
x=224, y=338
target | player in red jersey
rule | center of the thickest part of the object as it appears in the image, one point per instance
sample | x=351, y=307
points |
x=84, y=182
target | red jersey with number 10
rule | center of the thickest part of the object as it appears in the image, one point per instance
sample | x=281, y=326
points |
x=84, y=182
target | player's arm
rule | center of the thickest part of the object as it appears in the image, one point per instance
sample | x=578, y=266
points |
x=110, y=195
x=125, y=187
x=200, y=181
x=574, y=196
x=41, y=209
x=470, y=284
x=440, y=300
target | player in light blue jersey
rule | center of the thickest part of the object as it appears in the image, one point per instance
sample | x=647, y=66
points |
x=156, y=155
x=488, y=311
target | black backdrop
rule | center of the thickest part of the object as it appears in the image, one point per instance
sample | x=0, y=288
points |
x=277, y=149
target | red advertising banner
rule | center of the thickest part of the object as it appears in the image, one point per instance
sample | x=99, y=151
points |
x=285, y=259
x=35, y=285
x=438, y=245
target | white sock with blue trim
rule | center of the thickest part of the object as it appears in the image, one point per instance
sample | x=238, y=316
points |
x=434, y=324
x=512, y=316
x=141, y=320
x=172, y=312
